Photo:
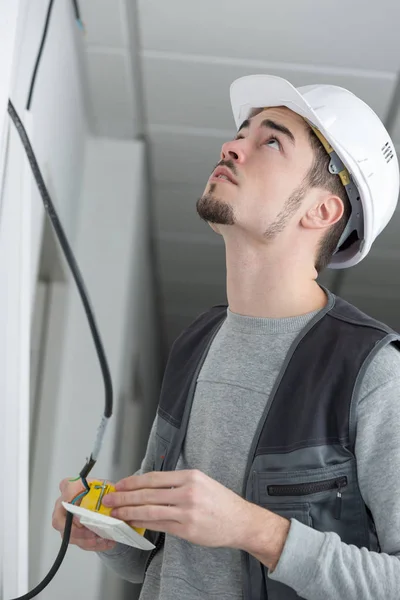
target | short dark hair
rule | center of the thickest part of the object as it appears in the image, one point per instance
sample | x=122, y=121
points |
x=320, y=176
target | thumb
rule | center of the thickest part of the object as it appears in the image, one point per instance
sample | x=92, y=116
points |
x=70, y=488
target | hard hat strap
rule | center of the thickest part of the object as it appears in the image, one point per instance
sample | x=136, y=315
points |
x=336, y=167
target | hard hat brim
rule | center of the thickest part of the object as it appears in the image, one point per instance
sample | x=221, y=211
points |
x=256, y=91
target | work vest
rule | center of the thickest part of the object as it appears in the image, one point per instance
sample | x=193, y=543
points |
x=302, y=461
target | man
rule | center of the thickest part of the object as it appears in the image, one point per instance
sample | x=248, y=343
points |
x=272, y=466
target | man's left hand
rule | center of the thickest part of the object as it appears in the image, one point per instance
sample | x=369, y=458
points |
x=187, y=504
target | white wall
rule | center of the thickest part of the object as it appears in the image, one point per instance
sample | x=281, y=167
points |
x=105, y=218
x=57, y=127
x=58, y=108
x=14, y=371
x=112, y=249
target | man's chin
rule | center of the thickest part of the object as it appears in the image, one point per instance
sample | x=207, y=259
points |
x=214, y=210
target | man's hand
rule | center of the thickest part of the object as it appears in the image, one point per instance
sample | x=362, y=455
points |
x=80, y=535
x=187, y=504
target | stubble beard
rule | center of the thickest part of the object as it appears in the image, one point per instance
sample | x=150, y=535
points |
x=213, y=210
x=291, y=206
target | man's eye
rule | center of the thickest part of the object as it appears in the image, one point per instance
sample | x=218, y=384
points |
x=274, y=141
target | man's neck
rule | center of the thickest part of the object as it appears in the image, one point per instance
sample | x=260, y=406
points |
x=260, y=286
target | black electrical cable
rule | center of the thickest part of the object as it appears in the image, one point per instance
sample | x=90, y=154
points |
x=77, y=11
x=49, y=207
x=51, y=211
x=42, y=43
x=57, y=563
x=39, y=56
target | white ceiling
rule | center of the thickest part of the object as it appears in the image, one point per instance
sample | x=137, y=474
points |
x=110, y=67
x=189, y=54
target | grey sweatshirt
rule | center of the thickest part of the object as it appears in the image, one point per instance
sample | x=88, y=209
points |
x=232, y=389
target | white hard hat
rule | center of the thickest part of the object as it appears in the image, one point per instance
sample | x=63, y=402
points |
x=361, y=150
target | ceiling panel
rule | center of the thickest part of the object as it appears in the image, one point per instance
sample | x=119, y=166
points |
x=187, y=159
x=205, y=101
x=110, y=94
x=292, y=31
x=103, y=22
x=191, y=263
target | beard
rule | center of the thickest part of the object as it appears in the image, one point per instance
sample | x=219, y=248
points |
x=291, y=206
x=213, y=210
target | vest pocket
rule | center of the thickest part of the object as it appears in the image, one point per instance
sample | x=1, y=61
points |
x=310, y=497
x=313, y=487
x=332, y=493
x=299, y=511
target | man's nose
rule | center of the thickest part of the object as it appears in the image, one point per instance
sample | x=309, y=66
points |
x=234, y=150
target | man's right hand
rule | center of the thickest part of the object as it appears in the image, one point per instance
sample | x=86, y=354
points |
x=80, y=536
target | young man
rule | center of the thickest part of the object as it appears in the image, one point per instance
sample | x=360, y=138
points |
x=272, y=466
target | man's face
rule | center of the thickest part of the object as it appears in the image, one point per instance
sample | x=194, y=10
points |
x=267, y=164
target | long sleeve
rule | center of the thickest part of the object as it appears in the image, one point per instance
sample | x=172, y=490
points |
x=128, y=562
x=319, y=566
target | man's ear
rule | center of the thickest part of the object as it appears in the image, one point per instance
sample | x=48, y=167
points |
x=323, y=214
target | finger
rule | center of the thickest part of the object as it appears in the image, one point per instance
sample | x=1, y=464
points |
x=69, y=483
x=106, y=545
x=156, y=479
x=77, y=522
x=149, y=513
x=83, y=533
x=77, y=532
x=163, y=496
x=176, y=529
x=60, y=516
x=97, y=545
x=63, y=484
x=103, y=545
x=59, y=522
x=70, y=488
x=74, y=490
x=85, y=541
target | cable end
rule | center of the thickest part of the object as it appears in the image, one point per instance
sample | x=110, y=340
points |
x=87, y=468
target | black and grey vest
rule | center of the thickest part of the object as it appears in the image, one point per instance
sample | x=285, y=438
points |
x=302, y=461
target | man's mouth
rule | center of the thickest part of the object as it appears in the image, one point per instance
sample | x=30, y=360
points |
x=223, y=174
